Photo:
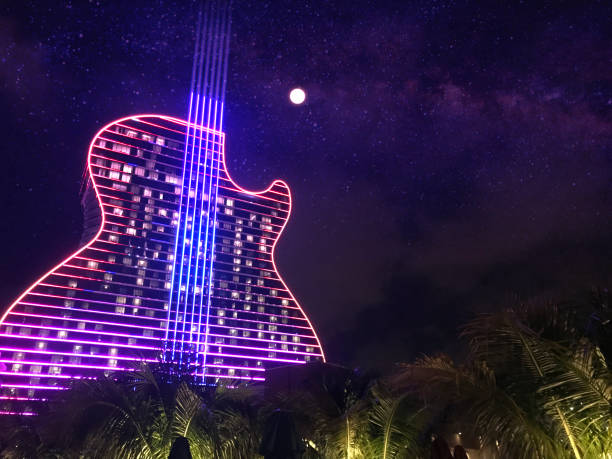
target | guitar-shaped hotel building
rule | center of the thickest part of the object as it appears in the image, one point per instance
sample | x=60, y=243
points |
x=177, y=262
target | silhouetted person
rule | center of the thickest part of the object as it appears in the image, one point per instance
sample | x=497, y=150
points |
x=459, y=452
x=180, y=449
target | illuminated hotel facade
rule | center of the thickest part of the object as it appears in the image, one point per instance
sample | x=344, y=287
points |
x=177, y=264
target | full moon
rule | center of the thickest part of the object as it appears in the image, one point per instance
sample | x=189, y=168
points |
x=297, y=96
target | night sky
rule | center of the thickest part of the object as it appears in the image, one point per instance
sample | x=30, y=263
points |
x=451, y=157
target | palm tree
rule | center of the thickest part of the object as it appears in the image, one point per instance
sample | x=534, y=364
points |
x=525, y=394
x=139, y=414
x=396, y=422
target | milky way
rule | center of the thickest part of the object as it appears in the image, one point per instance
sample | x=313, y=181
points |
x=450, y=157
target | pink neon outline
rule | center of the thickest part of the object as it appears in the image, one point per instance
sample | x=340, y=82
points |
x=260, y=194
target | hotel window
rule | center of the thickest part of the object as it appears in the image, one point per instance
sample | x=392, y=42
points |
x=115, y=175
x=121, y=299
x=131, y=231
x=62, y=334
x=229, y=202
x=127, y=168
x=295, y=339
x=160, y=141
x=140, y=171
x=92, y=264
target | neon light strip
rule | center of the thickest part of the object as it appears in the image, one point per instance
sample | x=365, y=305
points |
x=187, y=223
x=184, y=237
x=212, y=250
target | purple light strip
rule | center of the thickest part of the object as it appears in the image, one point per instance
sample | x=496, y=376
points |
x=193, y=223
x=199, y=232
x=182, y=261
x=212, y=246
x=252, y=357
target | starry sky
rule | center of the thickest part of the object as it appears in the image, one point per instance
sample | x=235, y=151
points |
x=451, y=157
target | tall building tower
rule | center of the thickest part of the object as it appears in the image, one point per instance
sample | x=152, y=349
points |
x=178, y=264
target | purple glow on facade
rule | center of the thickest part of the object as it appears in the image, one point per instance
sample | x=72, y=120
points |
x=120, y=296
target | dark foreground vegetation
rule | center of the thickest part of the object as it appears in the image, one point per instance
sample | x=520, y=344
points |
x=535, y=382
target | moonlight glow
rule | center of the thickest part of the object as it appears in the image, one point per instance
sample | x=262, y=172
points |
x=297, y=96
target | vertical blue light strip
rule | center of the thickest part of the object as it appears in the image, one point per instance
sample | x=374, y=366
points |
x=212, y=243
x=191, y=235
x=204, y=249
